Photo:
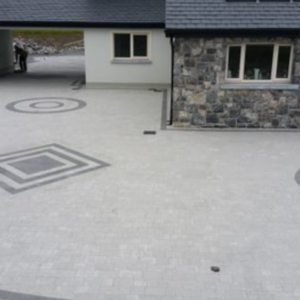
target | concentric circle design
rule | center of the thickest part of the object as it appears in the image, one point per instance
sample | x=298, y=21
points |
x=297, y=177
x=45, y=105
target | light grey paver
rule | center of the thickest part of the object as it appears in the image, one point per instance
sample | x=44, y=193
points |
x=169, y=207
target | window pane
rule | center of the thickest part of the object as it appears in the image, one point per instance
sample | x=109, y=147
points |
x=122, y=45
x=140, y=45
x=284, y=53
x=234, y=62
x=258, y=62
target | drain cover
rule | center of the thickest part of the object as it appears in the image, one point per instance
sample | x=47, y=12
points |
x=149, y=132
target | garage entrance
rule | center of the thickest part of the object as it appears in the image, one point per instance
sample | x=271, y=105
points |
x=53, y=54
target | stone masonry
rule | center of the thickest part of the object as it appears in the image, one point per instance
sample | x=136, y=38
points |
x=201, y=98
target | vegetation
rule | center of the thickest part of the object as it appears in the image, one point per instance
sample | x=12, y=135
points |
x=45, y=31
x=56, y=38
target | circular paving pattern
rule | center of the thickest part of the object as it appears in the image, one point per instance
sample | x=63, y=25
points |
x=297, y=177
x=45, y=105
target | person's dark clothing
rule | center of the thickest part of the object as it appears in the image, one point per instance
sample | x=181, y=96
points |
x=23, y=63
x=21, y=57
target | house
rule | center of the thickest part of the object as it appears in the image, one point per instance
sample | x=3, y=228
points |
x=236, y=63
x=230, y=63
x=125, y=43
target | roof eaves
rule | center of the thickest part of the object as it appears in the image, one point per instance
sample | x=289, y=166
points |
x=64, y=24
x=245, y=32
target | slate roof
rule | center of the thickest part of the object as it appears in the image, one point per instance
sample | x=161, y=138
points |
x=204, y=15
x=95, y=13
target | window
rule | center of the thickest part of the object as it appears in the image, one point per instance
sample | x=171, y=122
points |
x=131, y=46
x=259, y=62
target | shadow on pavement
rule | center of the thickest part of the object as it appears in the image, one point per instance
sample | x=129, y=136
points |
x=6, y=295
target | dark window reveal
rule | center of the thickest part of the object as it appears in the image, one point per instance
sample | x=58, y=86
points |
x=140, y=45
x=258, y=62
x=283, y=62
x=122, y=45
x=234, y=62
x=130, y=45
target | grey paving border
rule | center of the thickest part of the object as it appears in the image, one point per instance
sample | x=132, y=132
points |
x=262, y=130
x=11, y=106
x=12, y=190
x=164, y=110
x=297, y=177
x=7, y=295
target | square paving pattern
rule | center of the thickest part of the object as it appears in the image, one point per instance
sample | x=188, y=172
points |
x=30, y=168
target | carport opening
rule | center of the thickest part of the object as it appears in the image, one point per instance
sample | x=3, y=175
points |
x=52, y=54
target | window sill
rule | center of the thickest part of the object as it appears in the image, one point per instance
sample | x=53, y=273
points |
x=131, y=61
x=259, y=86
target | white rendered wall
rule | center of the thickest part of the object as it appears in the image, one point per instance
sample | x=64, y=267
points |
x=101, y=70
x=6, y=52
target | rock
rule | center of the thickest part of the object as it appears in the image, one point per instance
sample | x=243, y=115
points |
x=282, y=100
x=198, y=119
x=211, y=51
x=208, y=58
x=253, y=125
x=294, y=113
x=230, y=122
x=267, y=125
x=218, y=108
x=212, y=118
x=267, y=96
x=220, y=125
x=211, y=97
x=207, y=85
x=189, y=63
x=293, y=103
x=273, y=104
x=215, y=269
x=234, y=113
x=297, y=121
x=199, y=98
x=191, y=108
x=282, y=109
x=251, y=116
x=183, y=116
x=185, y=72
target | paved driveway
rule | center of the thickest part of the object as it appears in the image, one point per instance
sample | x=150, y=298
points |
x=90, y=208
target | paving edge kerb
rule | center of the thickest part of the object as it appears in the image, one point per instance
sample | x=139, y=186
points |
x=297, y=177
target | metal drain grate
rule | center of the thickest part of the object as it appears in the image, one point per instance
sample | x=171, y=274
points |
x=149, y=132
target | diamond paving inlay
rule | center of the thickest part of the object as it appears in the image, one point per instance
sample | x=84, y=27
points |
x=30, y=168
x=36, y=164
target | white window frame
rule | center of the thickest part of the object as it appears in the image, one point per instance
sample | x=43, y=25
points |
x=274, y=64
x=132, y=35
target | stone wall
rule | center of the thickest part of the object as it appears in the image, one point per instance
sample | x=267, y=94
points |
x=203, y=99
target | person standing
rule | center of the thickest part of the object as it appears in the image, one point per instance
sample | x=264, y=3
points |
x=21, y=57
